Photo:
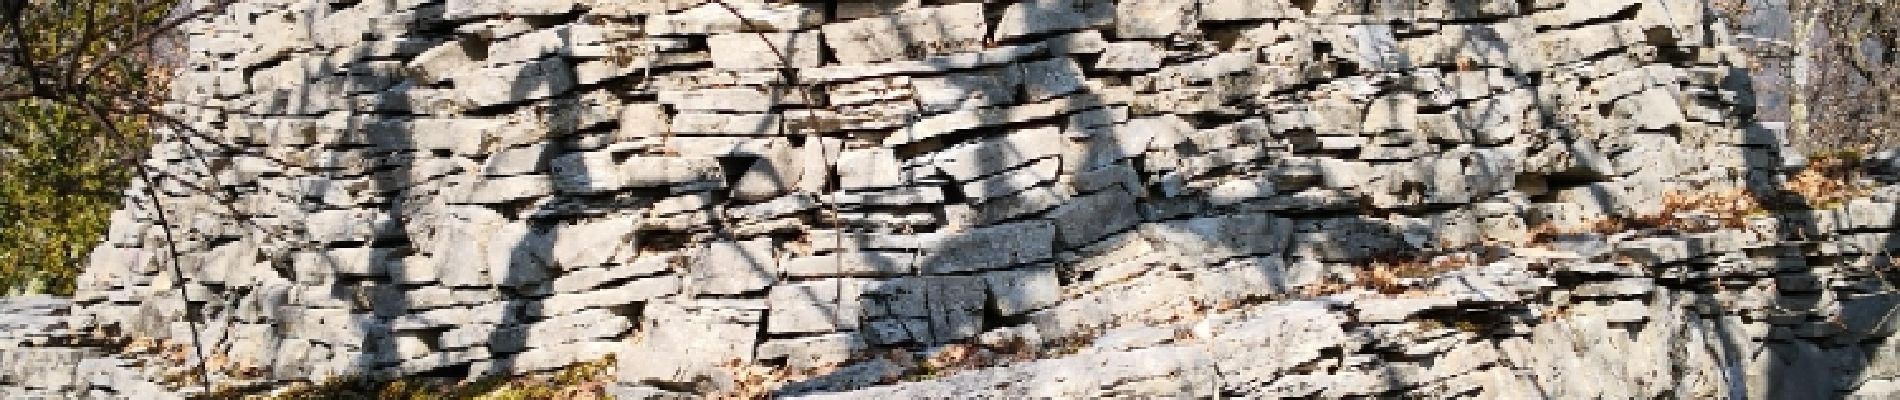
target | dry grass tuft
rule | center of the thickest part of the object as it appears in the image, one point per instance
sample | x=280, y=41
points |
x=580, y=381
x=1397, y=276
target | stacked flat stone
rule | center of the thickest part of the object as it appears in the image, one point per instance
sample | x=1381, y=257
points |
x=1134, y=197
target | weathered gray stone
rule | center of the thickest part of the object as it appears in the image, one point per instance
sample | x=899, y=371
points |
x=814, y=352
x=982, y=88
x=461, y=9
x=923, y=309
x=1154, y=18
x=1130, y=56
x=1660, y=250
x=1088, y=218
x=1232, y=10
x=1008, y=183
x=1051, y=78
x=733, y=267
x=1017, y=292
x=991, y=247
x=1654, y=108
x=599, y=171
x=1043, y=16
x=442, y=62
x=515, y=82
x=747, y=50
x=1861, y=214
x=712, y=332
x=624, y=295
x=712, y=18
x=982, y=158
x=516, y=160
x=869, y=168
x=827, y=305
x=908, y=34
x=317, y=267
x=722, y=124
x=500, y=189
x=852, y=263
x=747, y=99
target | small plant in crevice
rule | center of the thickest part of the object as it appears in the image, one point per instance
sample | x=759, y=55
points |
x=1829, y=181
x=1394, y=275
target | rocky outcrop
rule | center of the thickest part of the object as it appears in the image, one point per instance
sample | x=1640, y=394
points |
x=1047, y=198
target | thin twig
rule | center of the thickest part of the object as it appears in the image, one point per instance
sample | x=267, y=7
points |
x=162, y=29
x=789, y=72
x=171, y=247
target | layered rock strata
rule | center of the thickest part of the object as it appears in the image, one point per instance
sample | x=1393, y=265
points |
x=1060, y=198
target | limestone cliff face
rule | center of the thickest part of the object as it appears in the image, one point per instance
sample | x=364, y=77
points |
x=1061, y=198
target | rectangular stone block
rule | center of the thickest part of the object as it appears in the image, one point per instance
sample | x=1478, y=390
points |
x=711, y=18
x=636, y=57
x=1396, y=310
x=515, y=82
x=528, y=46
x=589, y=172
x=1240, y=10
x=970, y=161
x=754, y=50
x=909, y=35
x=323, y=266
x=516, y=160
x=1037, y=173
x=745, y=99
x=1016, y=292
x=1223, y=236
x=851, y=263
x=775, y=208
x=634, y=292
x=577, y=326
x=815, y=351
x=869, y=168
x=991, y=247
x=353, y=225
x=1031, y=17
x=714, y=332
x=827, y=305
x=1130, y=56
x=1571, y=45
x=499, y=189
x=725, y=124
x=1154, y=19
x=1861, y=214
x=724, y=268
x=468, y=9
x=1074, y=43
x=595, y=242
x=945, y=307
x=942, y=124
x=1051, y=78
x=1087, y=218
x=1653, y=109
x=583, y=279
x=967, y=90
x=441, y=62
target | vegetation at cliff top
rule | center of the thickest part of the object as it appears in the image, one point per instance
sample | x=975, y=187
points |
x=72, y=75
